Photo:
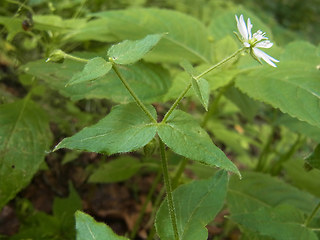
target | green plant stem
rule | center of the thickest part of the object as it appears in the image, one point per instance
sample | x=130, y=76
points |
x=78, y=59
x=214, y=105
x=132, y=93
x=309, y=219
x=175, y=104
x=265, y=151
x=165, y=172
x=145, y=204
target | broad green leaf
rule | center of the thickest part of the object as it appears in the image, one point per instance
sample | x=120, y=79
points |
x=299, y=177
x=149, y=81
x=257, y=190
x=95, y=68
x=126, y=128
x=202, y=89
x=24, y=138
x=196, y=204
x=293, y=87
x=278, y=223
x=225, y=23
x=184, y=136
x=88, y=229
x=301, y=127
x=117, y=170
x=314, y=159
x=200, y=86
x=176, y=45
x=128, y=52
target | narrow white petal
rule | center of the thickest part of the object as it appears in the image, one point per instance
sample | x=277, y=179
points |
x=249, y=25
x=261, y=54
x=264, y=44
x=259, y=35
x=242, y=28
x=246, y=44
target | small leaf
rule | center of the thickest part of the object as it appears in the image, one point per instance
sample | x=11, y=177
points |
x=314, y=159
x=88, y=229
x=128, y=52
x=125, y=129
x=280, y=223
x=196, y=204
x=186, y=65
x=95, y=68
x=202, y=90
x=24, y=138
x=184, y=136
x=117, y=170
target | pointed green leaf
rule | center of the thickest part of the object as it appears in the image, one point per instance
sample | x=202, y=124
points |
x=293, y=86
x=196, y=204
x=278, y=223
x=314, y=159
x=126, y=128
x=128, y=52
x=149, y=81
x=257, y=190
x=187, y=66
x=117, y=170
x=24, y=138
x=88, y=229
x=176, y=45
x=95, y=68
x=202, y=90
x=184, y=136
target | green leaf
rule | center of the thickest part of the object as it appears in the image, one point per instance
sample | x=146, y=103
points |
x=13, y=26
x=200, y=86
x=126, y=128
x=128, y=52
x=257, y=190
x=202, y=90
x=24, y=138
x=95, y=68
x=225, y=23
x=293, y=87
x=117, y=170
x=278, y=223
x=176, y=45
x=149, y=81
x=88, y=229
x=184, y=136
x=196, y=204
x=314, y=159
x=299, y=177
x=300, y=127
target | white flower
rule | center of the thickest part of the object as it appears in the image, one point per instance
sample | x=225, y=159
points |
x=255, y=41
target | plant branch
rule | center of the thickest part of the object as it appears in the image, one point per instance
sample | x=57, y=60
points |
x=132, y=93
x=164, y=163
x=315, y=210
x=175, y=104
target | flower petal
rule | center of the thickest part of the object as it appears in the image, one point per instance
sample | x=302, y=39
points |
x=261, y=54
x=259, y=35
x=249, y=26
x=242, y=28
x=264, y=44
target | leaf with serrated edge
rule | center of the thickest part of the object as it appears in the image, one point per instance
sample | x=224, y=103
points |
x=95, y=68
x=196, y=204
x=126, y=128
x=88, y=229
x=128, y=52
x=184, y=136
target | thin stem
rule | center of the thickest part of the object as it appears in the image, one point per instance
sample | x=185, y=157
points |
x=175, y=104
x=132, y=93
x=264, y=153
x=164, y=162
x=68, y=56
x=220, y=63
x=145, y=204
x=309, y=219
